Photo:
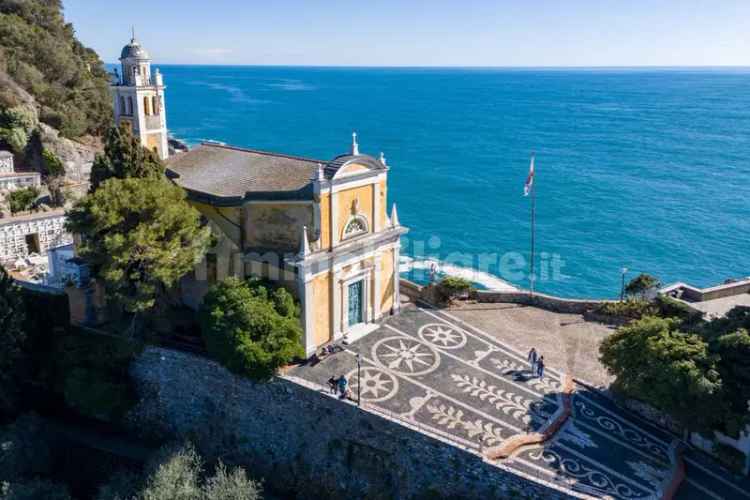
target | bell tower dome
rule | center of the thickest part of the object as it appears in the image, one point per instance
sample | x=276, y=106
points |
x=139, y=98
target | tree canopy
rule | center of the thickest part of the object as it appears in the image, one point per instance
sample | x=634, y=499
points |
x=12, y=337
x=140, y=236
x=671, y=370
x=249, y=330
x=178, y=472
x=39, y=50
x=641, y=284
x=124, y=158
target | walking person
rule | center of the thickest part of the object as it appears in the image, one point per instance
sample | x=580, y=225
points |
x=333, y=384
x=532, y=357
x=342, y=386
x=540, y=367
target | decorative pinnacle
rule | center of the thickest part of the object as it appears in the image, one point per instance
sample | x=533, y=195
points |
x=394, y=217
x=132, y=31
x=304, y=247
x=355, y=146
x=382, y=158
x=321, y=175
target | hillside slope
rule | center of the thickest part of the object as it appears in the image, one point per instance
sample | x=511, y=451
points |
x=39, y=50
x=54, y=92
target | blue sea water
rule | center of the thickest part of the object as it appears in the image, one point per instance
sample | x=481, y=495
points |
x=641, y=168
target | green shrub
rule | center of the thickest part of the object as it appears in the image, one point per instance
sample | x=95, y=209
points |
x=629, y=309
x=22, y=199
x=244, y=330
x=641, y=284
x=671, y=308
x=454, y=286
x=733, y=458
x=15, y=127
x=53, y=166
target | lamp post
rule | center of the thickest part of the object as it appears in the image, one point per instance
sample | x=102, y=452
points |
x=359, y=380
x=622, y=284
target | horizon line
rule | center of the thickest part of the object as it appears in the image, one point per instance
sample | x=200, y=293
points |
x=519, y=67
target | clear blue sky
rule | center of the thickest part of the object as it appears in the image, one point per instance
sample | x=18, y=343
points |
x=423, y=33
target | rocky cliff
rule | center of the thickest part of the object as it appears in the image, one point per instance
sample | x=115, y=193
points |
x=29, y=136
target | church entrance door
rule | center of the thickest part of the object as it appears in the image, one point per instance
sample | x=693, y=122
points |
x=356, y=291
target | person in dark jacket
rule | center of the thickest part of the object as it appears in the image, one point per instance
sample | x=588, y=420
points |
x=540, y=367
x=532, y=357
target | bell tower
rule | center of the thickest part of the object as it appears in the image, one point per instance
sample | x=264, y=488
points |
x=139, y=98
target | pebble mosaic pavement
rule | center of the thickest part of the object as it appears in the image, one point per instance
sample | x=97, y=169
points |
x=424, y=370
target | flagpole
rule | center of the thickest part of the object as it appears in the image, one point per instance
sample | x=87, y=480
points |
x=532, y=277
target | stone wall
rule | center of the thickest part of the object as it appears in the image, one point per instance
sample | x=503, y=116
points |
x=410, y=289
x=305, y=442
x=49, y=228
x=693, y=294
x=548, y=302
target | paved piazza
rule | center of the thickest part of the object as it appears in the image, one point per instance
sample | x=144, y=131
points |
x=459, y=384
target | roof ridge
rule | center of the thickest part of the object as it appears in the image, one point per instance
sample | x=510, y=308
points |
x=261, y=152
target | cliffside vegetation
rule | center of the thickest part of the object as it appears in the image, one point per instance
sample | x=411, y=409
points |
x=40, y=53
x=12, y=337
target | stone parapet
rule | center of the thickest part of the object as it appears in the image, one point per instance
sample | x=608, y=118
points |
x=540, y=300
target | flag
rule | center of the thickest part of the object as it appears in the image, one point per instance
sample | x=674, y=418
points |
x=530, y=179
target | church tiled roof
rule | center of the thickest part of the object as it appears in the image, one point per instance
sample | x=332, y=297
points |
x=222, y=174
x=232, y=174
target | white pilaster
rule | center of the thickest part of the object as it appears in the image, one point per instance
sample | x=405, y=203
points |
x=334, y=218
x=337, y=304
x=307, y=303
x=377, y=299
x=396, y=278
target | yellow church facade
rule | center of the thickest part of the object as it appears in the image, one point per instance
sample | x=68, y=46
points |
x=320, y=228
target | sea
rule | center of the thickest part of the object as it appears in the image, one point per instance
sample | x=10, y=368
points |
x=636, y=169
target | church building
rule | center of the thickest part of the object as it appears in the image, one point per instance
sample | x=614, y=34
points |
x=319, y=227
x=139, y=98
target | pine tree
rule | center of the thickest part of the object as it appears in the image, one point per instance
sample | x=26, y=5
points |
x=124, y=158
x=140, y=236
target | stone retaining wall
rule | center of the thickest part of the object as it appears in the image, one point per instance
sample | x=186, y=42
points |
x=301, y=440
x=410, y=289
x=543, y=301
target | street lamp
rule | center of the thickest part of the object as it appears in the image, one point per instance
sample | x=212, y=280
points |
x=622, y=285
